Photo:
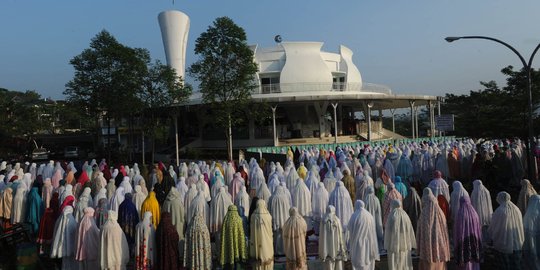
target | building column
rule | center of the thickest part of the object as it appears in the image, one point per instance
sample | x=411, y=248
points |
x=439, y=114
x=321, y=110
x=431, y=126
x=411, y=102
x=274, y=125
x=369, y=105
x=251, y=128
x=334, y=105
x=175, y=119
x=416, y=121
x=393, y=112
x=340, y=122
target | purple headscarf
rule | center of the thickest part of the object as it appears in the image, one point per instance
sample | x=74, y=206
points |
x=467, y=234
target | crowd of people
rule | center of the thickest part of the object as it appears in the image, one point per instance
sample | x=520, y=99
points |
x=359, y=203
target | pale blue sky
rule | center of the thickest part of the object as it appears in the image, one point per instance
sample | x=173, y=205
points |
x=395, y=43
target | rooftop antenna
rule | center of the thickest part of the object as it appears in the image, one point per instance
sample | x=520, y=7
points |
x=277, y=39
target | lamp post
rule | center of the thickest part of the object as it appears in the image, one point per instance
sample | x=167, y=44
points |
x=527, y=68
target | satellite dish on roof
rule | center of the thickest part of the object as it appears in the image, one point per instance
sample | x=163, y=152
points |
x=277, y=38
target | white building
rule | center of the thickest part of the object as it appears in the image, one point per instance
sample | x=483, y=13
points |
x=314, y=95
x=304, y=83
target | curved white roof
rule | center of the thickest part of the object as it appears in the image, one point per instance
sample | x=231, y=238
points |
x=302, y=66
x=292, y=72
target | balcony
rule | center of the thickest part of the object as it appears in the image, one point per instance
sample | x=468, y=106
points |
x=270, y=88
x=339, y=86
x=273, y=88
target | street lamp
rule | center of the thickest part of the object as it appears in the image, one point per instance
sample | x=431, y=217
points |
x=527, y=68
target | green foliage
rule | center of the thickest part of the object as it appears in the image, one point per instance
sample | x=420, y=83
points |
x=225, y=70
x=494, y=112
x=226, y=73
x=162, y=87
x=19, y=112
x=122, y=82
x=108, y=76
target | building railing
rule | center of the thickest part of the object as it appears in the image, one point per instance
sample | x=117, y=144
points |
x=339, y=86
x=336, y=86
x=378, y=88
x=270, y=88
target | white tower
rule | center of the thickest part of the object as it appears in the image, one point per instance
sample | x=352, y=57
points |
x=174, y=32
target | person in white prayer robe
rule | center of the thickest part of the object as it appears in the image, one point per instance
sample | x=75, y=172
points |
x=373, y=206
x=261, y=247
x=481, y=201
x=18, y=212
x=279, y=208
x=531, y=245
x=302, y=200
x=102, y=194
x=229, y=173
x=27, y=179
x=264, y=193
x=319, y=203
x=292, y=178
x=190, y=195
x=362, y=182
x=202, y=185
x=138, y=198
x=341, y=200
x=68, y=191
x=117, y=199
x=506, y=232
x=200, y=206
x=64, y=243
x=235, y=185
x=312, y=182
x=85, y=200
x=242, y=200
x=98, y=183
x=362, y=239
x=46, y=192
x=114, y=245
x=88, y=238
x=145, y=241
x=126, y=184
x=273, y=182
x=439, y=186
x=332, y=245
x=214, y=190
x=182, y=187
x=257, y=179
x=287, y=192
x=330, y=181
x=391, y=194
x=458, y=191
x=399, y=239
x=175, y=206
x=111, y=189
x=527, y=191
x=294, y=241
x=218, y=209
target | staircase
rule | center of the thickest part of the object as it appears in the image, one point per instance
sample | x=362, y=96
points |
x=381, y=134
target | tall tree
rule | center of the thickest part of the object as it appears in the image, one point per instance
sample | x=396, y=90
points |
x=226, y=73
x=108, y=76
x=118, y=81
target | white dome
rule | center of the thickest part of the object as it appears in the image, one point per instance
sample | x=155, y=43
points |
x=302, y=66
